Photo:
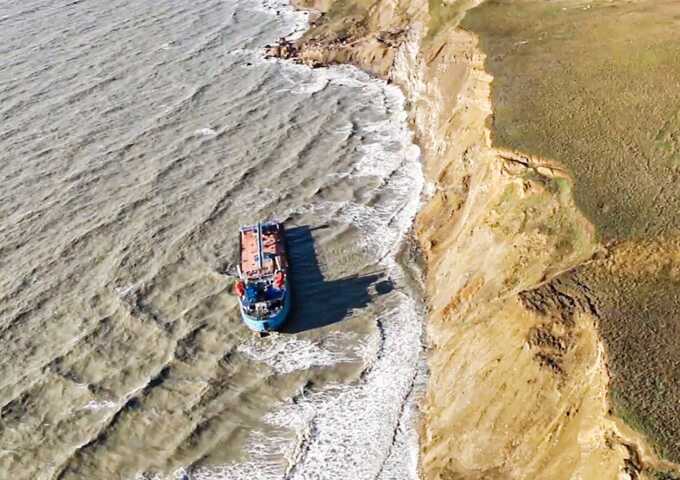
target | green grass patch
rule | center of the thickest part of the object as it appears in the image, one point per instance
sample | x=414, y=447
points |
x=592, y=88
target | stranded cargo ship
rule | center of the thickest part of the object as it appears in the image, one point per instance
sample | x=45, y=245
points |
x=263, y=286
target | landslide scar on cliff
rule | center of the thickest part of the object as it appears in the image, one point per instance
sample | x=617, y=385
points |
x=557, y=303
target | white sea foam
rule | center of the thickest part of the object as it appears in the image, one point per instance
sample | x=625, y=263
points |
x=205, y=132
x=286, y=355
x=301, y=80
x=296, y=22
x=94, y=405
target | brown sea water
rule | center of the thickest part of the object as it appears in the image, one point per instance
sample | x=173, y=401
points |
x=135, y=138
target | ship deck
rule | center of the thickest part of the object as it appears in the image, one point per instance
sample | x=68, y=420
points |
x=272, y=247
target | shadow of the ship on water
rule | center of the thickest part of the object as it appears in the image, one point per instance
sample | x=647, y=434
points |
x=316, y=302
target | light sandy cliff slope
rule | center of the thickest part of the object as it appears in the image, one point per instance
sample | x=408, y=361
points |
x=518, y=382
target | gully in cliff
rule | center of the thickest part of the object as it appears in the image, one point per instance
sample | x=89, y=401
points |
x=263, y=287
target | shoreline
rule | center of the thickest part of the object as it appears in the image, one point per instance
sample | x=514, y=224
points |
x=480, y=186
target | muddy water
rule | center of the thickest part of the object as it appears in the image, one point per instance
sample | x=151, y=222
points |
x=136, y=137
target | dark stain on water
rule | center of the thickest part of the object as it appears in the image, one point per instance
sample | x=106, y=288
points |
x=317, y=302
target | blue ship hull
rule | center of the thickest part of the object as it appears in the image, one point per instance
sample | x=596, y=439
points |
x=268, y=324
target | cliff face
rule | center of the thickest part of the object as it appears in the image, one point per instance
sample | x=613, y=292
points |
x=518, y=375
x=518, y=380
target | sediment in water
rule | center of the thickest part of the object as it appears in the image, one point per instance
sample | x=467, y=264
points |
x=519, y=376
